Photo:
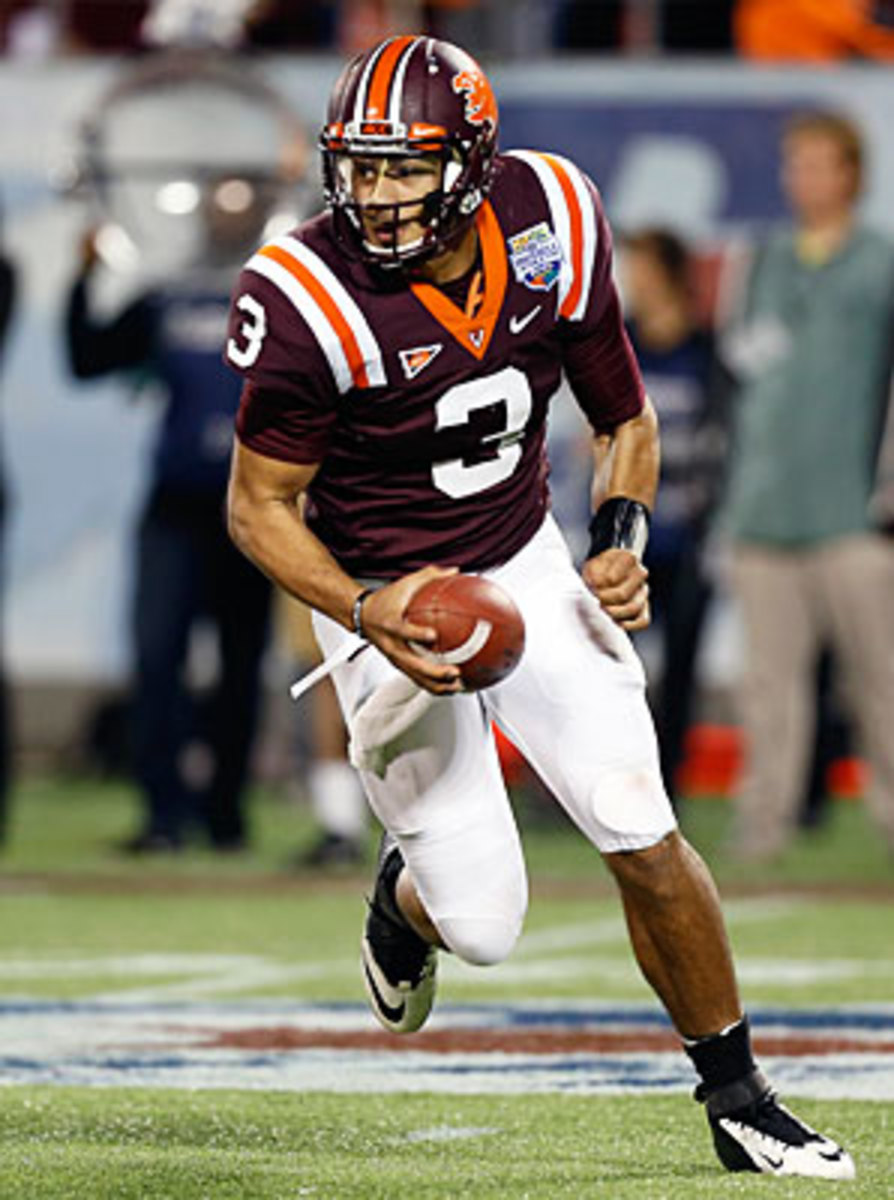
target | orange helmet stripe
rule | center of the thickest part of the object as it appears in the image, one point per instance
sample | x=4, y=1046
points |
x=331, y=310
x=377, y=96
x=577, y=235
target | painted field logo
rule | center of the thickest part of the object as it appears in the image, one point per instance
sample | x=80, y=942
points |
x=844, y=1053
x=536, y=257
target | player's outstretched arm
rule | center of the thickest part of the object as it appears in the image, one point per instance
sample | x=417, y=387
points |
x=627, y=465
x=265, y=522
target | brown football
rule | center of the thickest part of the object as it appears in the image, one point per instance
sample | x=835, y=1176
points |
x=478, y=624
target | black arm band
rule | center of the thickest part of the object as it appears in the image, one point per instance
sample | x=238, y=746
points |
x=621, y=524
x=357, y=611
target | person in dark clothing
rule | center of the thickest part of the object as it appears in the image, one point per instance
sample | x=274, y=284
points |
x=832, y=740
x=676, y=356
x=7, y=302
x=186, y=567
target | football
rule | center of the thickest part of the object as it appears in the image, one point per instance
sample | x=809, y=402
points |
x=479, y=627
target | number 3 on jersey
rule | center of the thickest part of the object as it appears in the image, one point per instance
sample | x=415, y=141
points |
x=253, y=329
x=509, y=386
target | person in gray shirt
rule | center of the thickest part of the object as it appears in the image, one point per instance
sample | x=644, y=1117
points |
x=807, y=509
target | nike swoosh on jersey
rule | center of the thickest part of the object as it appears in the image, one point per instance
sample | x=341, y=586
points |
x=517, y=323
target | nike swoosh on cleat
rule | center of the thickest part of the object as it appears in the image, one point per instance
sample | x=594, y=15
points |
x=392, y=1012
x=517, y=324
x=816, y=1158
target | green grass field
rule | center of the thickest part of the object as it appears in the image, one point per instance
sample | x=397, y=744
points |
x=134, y=1145
x=79, y=922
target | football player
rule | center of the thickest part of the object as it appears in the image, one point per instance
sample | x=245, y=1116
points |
x=400, y=352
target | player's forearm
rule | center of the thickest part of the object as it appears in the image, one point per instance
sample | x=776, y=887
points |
x=286, y=550
x=269, y=531
x=628, y=462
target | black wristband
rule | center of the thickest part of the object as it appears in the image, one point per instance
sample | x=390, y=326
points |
x=357, y=611
x=621, y=524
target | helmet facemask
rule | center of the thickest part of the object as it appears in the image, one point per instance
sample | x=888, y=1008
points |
x=444, y=213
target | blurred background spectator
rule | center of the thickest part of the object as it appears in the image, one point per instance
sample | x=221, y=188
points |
x=275, y=24
x=820, y=31
x=644, y=26
x=188, y=226
x=675, y=350
x=694, y=28
x=813, y=566
x=530, y=28
x=768, y=30
x=832, y=742
x=186, y=569
x=7, y=305
x=92, y=26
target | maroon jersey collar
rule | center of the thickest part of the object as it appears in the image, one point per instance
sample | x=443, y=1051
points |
x=473, y=333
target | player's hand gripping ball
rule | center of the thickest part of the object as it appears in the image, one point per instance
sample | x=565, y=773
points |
x=479, y=627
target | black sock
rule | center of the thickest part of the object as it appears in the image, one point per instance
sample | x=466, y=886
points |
x=724, y=1057
x=386, y=887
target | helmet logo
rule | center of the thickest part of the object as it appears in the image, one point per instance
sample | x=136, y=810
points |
x=481, y=106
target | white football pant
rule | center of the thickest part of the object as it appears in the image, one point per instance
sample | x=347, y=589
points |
x=574, y=706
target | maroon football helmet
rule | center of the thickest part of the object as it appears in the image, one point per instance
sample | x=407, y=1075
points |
x=406, y=97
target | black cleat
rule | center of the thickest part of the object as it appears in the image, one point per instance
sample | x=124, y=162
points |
x=399, y=967
x=765, y=1137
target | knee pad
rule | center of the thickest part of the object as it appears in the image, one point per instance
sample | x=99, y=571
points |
x=481, y=941
x=630, y=808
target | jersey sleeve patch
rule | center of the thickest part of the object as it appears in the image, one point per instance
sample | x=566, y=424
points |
x=574, y=221
x=335, y=320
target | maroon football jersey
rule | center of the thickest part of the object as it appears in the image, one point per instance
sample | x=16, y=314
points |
x=429, y=424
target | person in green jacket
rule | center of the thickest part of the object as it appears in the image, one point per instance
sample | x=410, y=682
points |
x=807, y=508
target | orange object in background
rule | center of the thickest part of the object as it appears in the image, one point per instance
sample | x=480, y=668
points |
x=512, y=762
x=814, y=30
x=847, y=778
x=715, y=757
x=713, y=761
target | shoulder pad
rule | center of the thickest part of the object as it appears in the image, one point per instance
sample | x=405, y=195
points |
x=313, y=290
x=574, y=210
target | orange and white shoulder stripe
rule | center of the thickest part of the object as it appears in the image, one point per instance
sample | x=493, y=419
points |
x=574, y=221
x=335, y=319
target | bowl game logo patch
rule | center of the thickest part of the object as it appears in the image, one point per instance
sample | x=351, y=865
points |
x=536, y=257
